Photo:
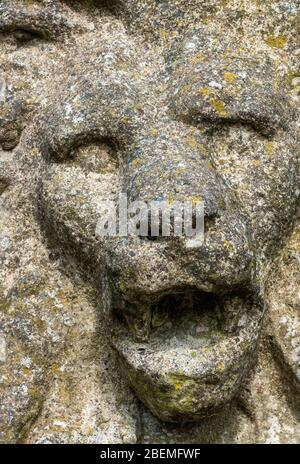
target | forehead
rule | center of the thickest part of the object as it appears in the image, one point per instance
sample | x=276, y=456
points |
x=220, y=47
x=274, y=23
x=175, y=16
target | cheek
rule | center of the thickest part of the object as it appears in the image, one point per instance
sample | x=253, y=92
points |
x=24, y=78
x=31, y=69
x=34, y=58
x=71, y=199
x=261, y=171
x=75, y=186
x=263, y=174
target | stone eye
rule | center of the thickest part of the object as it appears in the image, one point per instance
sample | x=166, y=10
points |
x=23, y=36
x=99, y=157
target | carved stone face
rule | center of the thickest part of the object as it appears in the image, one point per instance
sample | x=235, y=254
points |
x=209, y=119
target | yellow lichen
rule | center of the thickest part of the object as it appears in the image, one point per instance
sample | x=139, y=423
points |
x=135, y=162
x=180, y=171
x=185, y=88
x=228, y=245
x=125, y=120
x=195, y=200
x=219, y=107
x=166, y=34
x=271, y=147
x=203, y=149
x=205, y=91
x=171, y=200
x=221, y=366
x=192, y=142
x=26, y=371
x=30, y=3
x=122, y=66
x=154, y=132
x=180, y=381
x=276, y=41
x=230, y=77
x=55, y=369
x=21, y=85
x=197, y=58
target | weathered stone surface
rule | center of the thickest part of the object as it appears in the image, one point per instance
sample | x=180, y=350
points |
x=169, y=101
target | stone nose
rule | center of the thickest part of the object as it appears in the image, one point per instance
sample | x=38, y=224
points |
x=171, y=170
x=167, y=168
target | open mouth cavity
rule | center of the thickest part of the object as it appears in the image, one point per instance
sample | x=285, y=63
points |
x=185, y=352
x=185, y=317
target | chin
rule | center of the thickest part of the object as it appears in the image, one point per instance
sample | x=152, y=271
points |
x=193, y=357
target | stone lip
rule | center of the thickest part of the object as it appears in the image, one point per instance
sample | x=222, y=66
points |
x=191, y=364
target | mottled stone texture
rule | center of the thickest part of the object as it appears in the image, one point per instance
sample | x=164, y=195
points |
x=128, y=339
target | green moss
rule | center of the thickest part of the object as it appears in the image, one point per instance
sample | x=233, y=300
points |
x=128, y=275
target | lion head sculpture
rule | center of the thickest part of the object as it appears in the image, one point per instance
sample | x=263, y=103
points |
x=169, y=109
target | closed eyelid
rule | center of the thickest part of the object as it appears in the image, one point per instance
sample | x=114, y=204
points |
x=241, y=89
x=264, y=112
x=262, y=124
x=44, y=24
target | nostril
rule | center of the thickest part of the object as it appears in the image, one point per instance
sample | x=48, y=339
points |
x=10, y=133
x=180, y=220
x=3, y=185
x=157, y=226
x=151, y=239
x=214, y=208
x=175, y=226
x=210, y=221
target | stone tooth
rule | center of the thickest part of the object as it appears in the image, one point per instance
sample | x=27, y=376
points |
x=138, y=318
x=232, y=312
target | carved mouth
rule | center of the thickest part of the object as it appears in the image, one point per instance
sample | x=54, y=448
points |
x=185, y=353
x=183, y=313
